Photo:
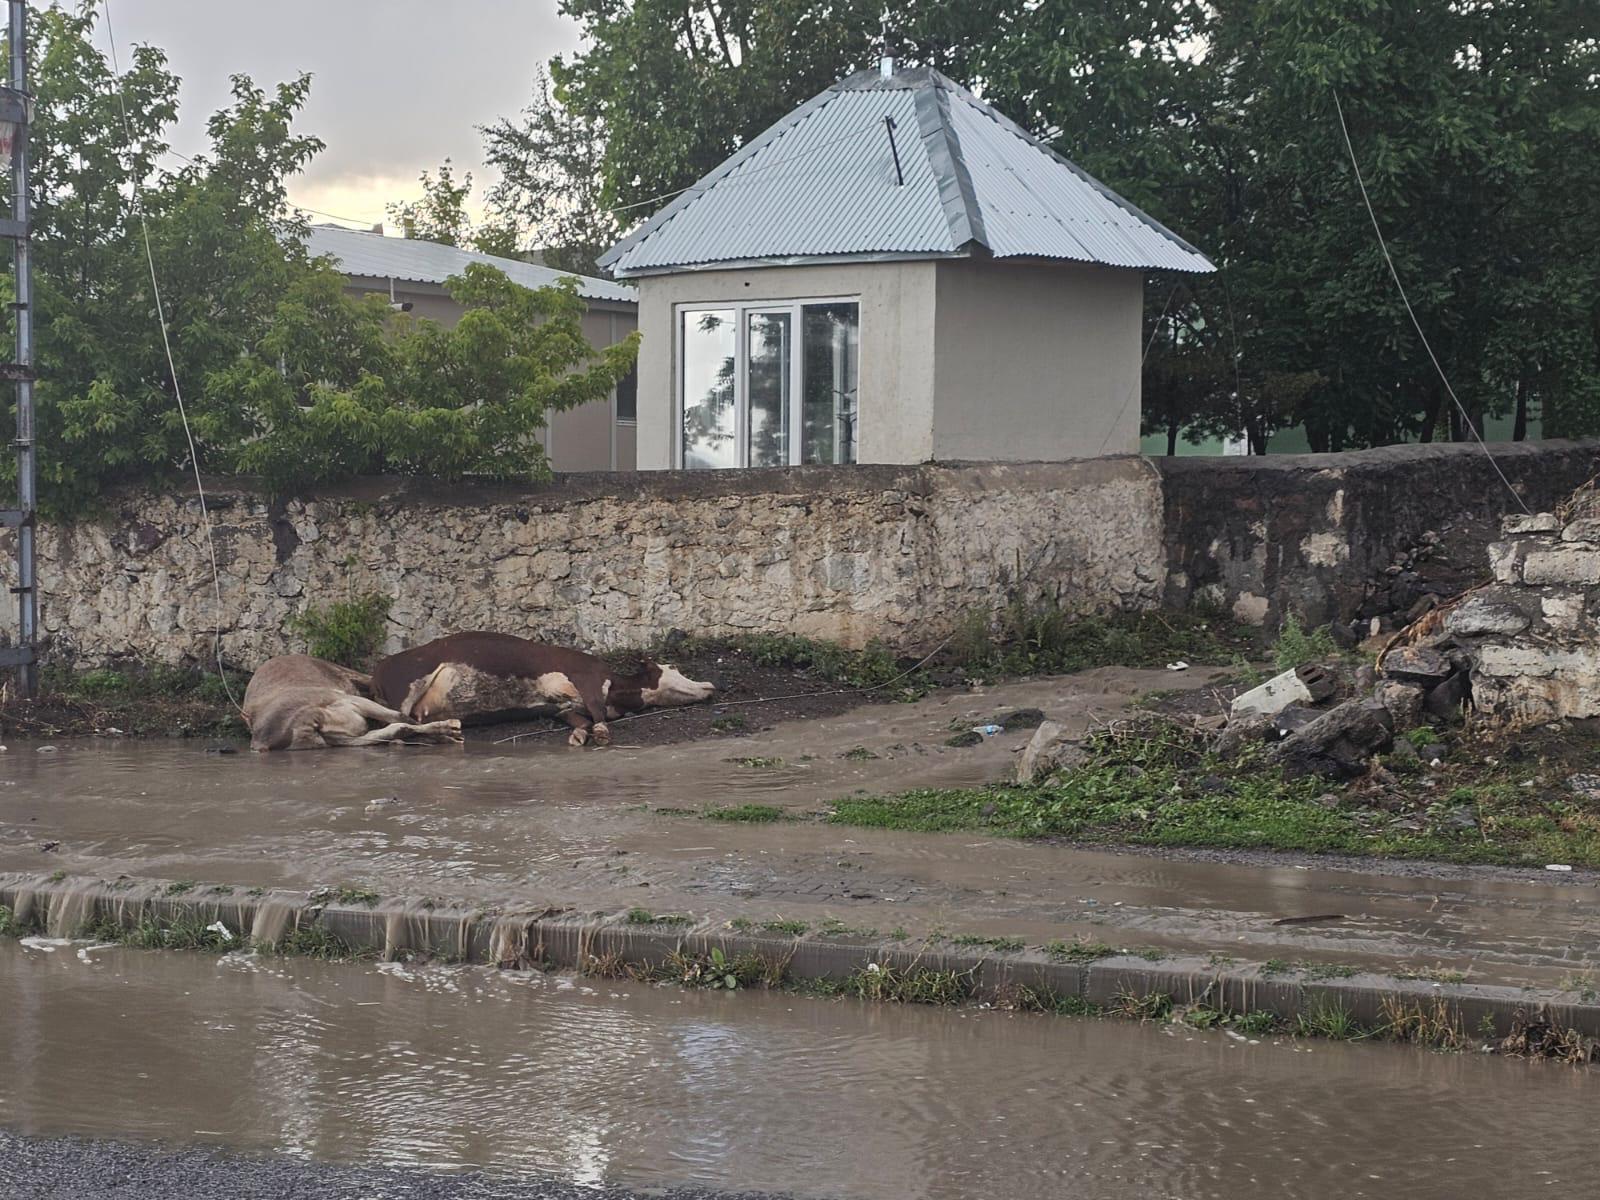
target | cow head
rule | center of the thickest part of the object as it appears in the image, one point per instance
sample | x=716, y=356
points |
x=664, y=686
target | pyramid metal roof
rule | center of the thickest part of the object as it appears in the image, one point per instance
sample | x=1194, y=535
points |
x=822, y=183
x=359, y=252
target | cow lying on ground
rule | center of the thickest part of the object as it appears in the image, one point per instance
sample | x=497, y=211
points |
x=296, y=702
x=482, y=677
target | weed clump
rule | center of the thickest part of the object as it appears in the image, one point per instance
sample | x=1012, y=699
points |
x=1297, y=647
x=910, y=985
x=347, y=631
x=643, y=916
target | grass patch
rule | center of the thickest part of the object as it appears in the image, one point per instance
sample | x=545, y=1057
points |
x=134, y=698
x=858, y=754
x=1041, y=637
x=9, y=925
x=833, y=927
x=1152, y=782
x=876, y=666
x=363, y=896
x=1005, y=945
x=753, y=814
x=643, y=916
x=909, y=985
x=1297, y=647
x=729, y=725
x=313, y=941
x=781, y=925
x=1080, y=951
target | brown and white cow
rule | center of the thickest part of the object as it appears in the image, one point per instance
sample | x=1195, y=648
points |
x=482, y=677
x=296, y=702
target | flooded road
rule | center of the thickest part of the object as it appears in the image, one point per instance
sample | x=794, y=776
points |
x=529, y=1076
x=537, y=824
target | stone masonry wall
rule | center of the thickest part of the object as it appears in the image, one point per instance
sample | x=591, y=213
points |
x=1534, y=633
x=1330, y=537
x=851, y=554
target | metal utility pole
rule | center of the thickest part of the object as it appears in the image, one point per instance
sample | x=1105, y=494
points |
x=16, y=108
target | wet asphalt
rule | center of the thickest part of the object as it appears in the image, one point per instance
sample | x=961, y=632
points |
x=67, y=1168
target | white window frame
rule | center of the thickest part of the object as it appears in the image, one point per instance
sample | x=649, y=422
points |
x=741, y=359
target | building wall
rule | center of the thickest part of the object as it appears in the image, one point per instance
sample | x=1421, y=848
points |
x=1036, y=361
x=580, y=439
x=895, y=400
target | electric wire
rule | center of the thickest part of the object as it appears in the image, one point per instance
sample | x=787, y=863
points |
x=172, y=368
x=1404, y=299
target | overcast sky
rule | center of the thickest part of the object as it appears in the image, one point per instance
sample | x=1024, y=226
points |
x=398, y=85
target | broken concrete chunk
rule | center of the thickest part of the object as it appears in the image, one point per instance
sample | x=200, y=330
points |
x=1293, y=718
x=1519, y=523
x=1049, y=750
x=1338, y=743
x=1416, y=664
x=1273, y=696
x=1020, y=718
x=1242, y=731
x=1402, y=700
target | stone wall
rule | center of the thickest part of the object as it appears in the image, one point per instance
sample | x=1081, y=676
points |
x=1534, y=633
x=850, y=554
x=1331, y=537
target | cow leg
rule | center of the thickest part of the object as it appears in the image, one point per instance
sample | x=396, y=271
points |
x=402, y=731
x=580, y=723
x=594, y=705
x=371, y=710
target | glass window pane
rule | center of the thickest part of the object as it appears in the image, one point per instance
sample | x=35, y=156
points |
x=768, y=388
x=828, y=400
x=709, y=421
x=628, y=396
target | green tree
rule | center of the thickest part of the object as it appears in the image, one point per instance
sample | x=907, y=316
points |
x=550, y=193
x=440, y=215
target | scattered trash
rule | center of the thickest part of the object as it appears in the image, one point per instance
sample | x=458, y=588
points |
x=47, y=847
x=111, y=731
x=381, y=803
x=986, y=730
x=47, y=749
x=218, y=927
x=1180, y=665
x=1557, y=867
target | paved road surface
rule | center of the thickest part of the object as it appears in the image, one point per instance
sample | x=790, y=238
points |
x=73, y=1169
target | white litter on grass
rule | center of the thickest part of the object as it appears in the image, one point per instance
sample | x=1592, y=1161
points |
x=1180, y=665
x=220, y=928
x=85, y=951
x=1557, y=867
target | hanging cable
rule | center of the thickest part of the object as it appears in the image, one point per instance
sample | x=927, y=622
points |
x=172, y=368
x=1404, y=299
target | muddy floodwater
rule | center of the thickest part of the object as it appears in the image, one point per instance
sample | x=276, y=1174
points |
x=531, y=1075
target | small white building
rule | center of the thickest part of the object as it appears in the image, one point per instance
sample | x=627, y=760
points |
x=411, y=273
x=894, y=273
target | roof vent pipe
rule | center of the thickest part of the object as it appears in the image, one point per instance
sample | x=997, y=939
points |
x=886, y=66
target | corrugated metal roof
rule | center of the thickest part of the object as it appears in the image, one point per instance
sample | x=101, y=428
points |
x=822, y=183
x=359, y=252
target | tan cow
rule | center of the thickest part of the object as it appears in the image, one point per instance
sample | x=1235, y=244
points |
x=296, y=702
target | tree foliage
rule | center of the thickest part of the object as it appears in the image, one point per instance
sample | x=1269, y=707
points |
x=281, y=371
x=1476, y=125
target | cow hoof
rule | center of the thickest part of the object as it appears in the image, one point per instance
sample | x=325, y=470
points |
x=602, y=736
x=578, y=738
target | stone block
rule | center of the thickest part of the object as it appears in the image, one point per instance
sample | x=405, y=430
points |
x=1494, y=610
x=1584, y=529
x=1505, y=560
x=1520, y=523
x=1402, y=700
x=1572, y=563
x=1416, y=664
x=1048, y=751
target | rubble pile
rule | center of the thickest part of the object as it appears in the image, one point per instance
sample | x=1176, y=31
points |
x=1521, y=650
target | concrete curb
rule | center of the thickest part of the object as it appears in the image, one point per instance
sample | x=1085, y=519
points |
x=552, y=937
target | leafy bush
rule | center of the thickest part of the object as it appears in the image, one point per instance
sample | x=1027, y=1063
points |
x=348, y=632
